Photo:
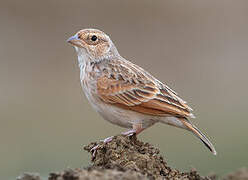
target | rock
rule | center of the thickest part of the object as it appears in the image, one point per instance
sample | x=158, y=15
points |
x=29, y=176
x=241, y=174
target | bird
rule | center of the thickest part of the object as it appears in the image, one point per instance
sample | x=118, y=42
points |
x=125, y=94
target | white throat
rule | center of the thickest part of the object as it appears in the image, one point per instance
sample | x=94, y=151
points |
x=82, y=57
x=83, y=60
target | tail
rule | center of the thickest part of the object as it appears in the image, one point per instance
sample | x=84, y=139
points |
x=199, y=134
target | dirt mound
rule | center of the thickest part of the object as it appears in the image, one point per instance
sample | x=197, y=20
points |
x=126, y=158
x=127, y=153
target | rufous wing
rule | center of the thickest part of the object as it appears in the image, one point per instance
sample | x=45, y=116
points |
x=136, y=90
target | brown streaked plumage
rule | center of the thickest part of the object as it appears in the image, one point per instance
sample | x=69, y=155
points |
x=124, y=93
x=144, y=95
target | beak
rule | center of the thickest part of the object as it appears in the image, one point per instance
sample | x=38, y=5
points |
x=73, y=38
x=75, y=41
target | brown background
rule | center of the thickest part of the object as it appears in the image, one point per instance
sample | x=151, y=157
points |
x=200, y=48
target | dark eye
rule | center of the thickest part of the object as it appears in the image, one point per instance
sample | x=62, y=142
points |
x=94, y=38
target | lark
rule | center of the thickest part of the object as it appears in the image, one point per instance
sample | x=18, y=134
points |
x=124, y=93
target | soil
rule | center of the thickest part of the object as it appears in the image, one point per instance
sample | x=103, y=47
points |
x=127, y=158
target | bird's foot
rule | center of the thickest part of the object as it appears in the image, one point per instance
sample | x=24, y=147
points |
x=129, y=133
x=135, y=131
x=95, y=148
x=137, y=128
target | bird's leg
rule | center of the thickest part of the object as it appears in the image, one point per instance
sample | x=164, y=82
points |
x=108, y=139
x=94, y=149
x=137, y=128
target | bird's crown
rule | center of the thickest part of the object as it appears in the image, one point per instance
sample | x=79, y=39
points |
x=95, y=43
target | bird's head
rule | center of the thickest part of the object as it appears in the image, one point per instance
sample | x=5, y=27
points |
x=93, y=43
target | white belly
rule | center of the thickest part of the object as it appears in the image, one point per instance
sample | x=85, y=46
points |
x=118, y=116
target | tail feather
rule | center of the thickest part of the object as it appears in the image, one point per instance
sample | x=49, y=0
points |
x=200, y=135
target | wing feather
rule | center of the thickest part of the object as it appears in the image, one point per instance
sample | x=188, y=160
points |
x=130, y=87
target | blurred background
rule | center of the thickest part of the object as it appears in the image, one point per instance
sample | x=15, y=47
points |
x=199, y=48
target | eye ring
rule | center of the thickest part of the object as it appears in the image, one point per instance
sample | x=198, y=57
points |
x=94, y=38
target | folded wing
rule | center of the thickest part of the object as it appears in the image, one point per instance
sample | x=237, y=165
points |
x=130, y=87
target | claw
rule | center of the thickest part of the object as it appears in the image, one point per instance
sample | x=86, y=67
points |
x=137, y=128
x=95, y=148
x=93, y=151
